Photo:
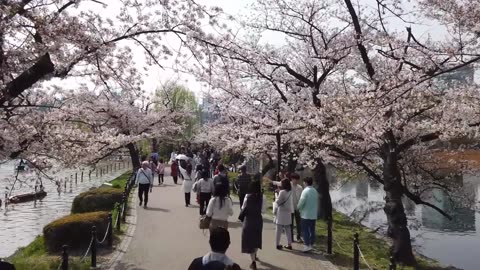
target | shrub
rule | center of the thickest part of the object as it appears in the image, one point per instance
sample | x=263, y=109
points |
x=98, y=199
x=74, y=230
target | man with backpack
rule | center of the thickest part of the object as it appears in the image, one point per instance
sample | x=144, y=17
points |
x=221, y=178
x=216, y=259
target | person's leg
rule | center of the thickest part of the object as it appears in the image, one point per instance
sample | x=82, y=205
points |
x=207, y=199
x=147, y=187
x=162, y=178
x=299, y=225
x=291, y=226
x=288, y=232
x=305, y=231
x=175, y=179
x=312, y=231
x=140, y=193
x=188, y=197
x=202, y=203
x=278, y=234
x=241, y=196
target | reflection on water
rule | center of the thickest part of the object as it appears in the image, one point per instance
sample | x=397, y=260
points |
x=21, y=223
x=433, y=235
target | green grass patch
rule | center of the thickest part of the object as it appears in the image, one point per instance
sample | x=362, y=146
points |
x=121, y=181
x=35, y=257
x=374, y=248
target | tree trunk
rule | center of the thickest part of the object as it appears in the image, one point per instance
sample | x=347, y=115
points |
x=134, y=155
x=292, y=164
x=278, y=136
x=394, y=210
x=154, y=145
x=323, y=187
x=268, y=167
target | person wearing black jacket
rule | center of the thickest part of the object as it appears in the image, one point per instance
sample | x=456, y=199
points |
x=242, y=182
x=221, y=179
x=216, y=259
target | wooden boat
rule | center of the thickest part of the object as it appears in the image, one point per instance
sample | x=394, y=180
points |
x=27, y=197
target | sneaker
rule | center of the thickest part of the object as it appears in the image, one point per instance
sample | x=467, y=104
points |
x=145, y=206
x=289, y=247
x=306, y=248
x=140, y=204
x=279, y=247
x=299, y=239
x=253, y=266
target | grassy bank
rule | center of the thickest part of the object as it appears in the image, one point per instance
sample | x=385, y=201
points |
x=35, y=257
x=374, y=248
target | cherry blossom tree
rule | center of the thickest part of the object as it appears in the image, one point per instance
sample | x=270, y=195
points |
x=370, y=95
x=90, y=44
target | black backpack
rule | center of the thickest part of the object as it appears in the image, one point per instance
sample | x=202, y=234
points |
x=197, y=264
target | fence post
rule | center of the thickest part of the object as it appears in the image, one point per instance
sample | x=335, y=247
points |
x=329, y=236
x=356, y=253
x=124, y=201
x=110, y=230
x=115, y=166
x=393, y=265
x=65, y=184
x=81, y=177
x=76, y=177
x=119, y=216
x=93, y=263
x=64, y=257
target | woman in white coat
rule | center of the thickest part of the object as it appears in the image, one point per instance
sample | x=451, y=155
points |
x=187, y=181
x=283, y=214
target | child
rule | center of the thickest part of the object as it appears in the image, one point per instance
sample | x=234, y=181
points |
x=160, y=171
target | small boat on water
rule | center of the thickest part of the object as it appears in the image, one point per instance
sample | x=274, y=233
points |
x=27, y=197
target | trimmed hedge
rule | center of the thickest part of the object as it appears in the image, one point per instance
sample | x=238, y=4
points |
x=74, y=230
x=98, y=199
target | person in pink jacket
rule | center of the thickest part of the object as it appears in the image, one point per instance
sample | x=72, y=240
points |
x=160, y=171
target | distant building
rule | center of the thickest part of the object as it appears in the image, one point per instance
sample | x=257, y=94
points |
x=209, y=110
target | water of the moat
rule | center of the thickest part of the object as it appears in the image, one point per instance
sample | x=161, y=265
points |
x=455, y=242
x=21, y=223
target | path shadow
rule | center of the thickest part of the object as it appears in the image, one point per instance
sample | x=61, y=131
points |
x=267, y=266
x=157, y=209
x=128, y=266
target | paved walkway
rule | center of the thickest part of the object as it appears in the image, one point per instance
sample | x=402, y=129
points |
x=167, y=237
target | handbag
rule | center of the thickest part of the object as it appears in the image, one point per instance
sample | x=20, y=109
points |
x=276, y=206
x=204, y=222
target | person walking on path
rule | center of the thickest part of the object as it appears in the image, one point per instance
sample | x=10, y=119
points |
x=153, y=168
x=204, y=188
x=144, y=181
x=219, y=208
x=251, y=215
x=308, y=207
x=187, y=183
x=242, y=184
x=282, y=210
x=216, y=259
x=174, y=171
x=296, y=193
x=221, y=179
x=160, y=171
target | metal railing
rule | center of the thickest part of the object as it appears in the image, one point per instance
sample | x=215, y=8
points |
x=357, y=252
x=121, y=209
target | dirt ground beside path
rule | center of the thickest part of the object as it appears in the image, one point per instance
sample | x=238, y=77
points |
x=167, y=237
